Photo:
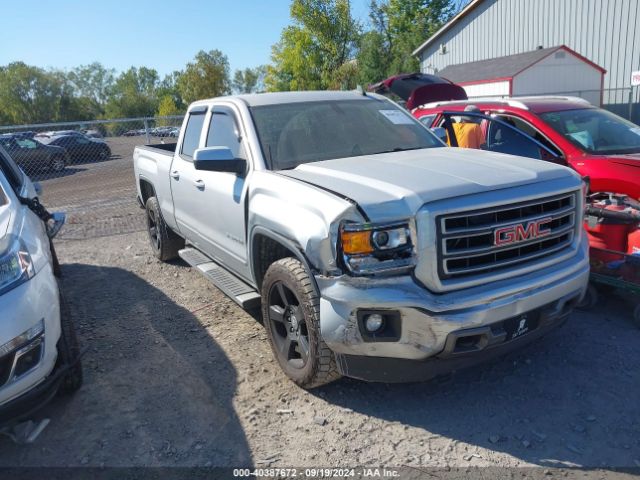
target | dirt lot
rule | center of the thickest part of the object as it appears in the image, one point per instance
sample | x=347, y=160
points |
x=178, y=375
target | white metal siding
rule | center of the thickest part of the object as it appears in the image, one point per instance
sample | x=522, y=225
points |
x=607, y=32
x=493, y=89
x=560, y=72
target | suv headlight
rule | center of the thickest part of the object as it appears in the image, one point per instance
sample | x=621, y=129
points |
x=16, y=266
x=370, y=248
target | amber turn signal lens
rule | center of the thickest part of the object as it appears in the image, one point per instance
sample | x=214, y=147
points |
x=354, y=243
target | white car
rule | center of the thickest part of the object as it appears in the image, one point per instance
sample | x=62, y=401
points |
x=39, y=353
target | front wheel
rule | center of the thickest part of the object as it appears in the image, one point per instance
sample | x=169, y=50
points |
x=69, y=350
x=164, y=242
x=57, y=164
x=291, y=315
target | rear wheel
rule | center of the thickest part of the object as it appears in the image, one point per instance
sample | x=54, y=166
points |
x=291, y=315
x=164, y=242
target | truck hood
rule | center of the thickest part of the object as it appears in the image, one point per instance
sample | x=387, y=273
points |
x=395, y=185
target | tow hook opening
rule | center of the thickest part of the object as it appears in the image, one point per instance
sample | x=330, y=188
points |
x=470, y=343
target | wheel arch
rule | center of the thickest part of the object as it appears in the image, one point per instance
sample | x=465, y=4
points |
x=267, y=247
x=147, y=190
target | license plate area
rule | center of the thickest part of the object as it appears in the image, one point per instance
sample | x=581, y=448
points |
x=518, y=326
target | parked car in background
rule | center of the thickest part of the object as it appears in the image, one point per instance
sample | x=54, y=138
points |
x=374, y=251
x=39, y=353
x=33, y=156
x=597, y=144
x=80, y=148
x=93, y=133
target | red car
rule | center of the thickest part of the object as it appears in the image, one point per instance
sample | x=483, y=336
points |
x=594, y=142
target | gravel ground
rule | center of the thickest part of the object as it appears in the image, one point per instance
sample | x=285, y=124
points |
x=178, y=375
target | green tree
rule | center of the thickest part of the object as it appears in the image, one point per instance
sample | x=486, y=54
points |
x=398, y=28
x=133, y=94
x=249, y=80
x=92, y=81
x=310, y=52
x=207, y=76
x=28, y=94
x=166, y=108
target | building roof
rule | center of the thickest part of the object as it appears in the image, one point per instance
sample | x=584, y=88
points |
x=463, y=13
x=503, y=68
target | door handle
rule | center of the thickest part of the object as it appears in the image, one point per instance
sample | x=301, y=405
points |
x=175, y=175
x=199, y=184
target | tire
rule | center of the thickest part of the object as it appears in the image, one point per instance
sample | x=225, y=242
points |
x=57, y=163
x=164, y=242
x=291, y=316
x=57, y=270
x=590, y=299
x=104, y=153
x=636, y=316
x=69, y=350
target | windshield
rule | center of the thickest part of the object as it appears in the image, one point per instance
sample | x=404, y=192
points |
x=295, y=133
x=596, y=131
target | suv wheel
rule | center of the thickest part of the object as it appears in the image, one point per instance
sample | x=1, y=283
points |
x=291, y=315
x=69, y=350
x=164, y=242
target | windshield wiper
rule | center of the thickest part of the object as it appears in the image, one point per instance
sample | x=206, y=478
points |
x=400, y=149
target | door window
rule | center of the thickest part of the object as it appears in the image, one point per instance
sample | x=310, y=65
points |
x=500, y=135
x=192, y=133
x=224, y=133
x=427, y=120
x=534, y=133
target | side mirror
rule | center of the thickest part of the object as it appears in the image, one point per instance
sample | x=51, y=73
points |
x=55, y=223
x=439, y=132
x=218, y=159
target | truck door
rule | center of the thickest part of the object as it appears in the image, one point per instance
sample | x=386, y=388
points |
x=224, y=194
x=217, y=204
x=182, y=175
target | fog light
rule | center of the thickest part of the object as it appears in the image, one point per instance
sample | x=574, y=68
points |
x=373, y=322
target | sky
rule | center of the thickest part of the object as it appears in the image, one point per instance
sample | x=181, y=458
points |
x=159, y=34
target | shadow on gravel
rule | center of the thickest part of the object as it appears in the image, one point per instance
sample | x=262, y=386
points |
x=569, y=399
x=158, y=389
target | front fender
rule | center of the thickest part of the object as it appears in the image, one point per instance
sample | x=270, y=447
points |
x=305, y=216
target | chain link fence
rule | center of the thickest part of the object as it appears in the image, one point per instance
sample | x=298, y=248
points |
x=86, y=169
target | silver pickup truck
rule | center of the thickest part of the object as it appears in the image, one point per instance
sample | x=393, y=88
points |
x=373, y=250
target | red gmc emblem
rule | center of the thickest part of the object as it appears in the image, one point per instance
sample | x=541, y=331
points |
x=520, y=233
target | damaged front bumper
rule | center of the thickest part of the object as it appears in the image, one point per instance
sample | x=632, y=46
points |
x=436, y=333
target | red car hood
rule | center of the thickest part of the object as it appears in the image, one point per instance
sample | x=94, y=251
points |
x=633, y=160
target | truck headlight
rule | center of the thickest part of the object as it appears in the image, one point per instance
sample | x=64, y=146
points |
x=16, y=266
x=369, y=248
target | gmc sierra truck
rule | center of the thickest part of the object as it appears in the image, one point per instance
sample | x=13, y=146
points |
x=373, y=250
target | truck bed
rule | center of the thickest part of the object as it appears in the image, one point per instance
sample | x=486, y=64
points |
x=163, y=148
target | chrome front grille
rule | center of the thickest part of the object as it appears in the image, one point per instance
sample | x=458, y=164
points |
x=489, y=240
